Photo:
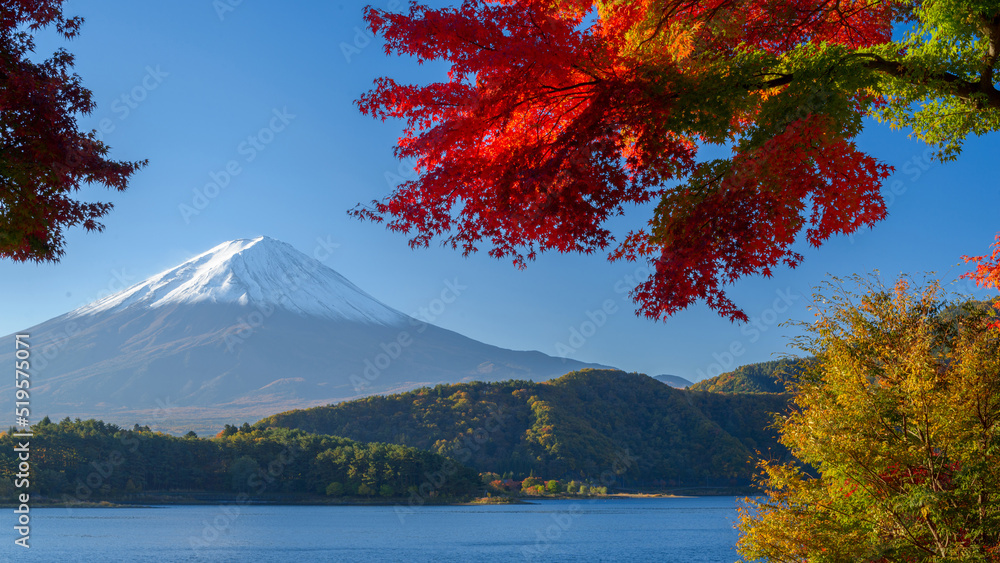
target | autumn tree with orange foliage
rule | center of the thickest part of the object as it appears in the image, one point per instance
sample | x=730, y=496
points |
x=987, y=272
x=558, y=115
x=898, y=422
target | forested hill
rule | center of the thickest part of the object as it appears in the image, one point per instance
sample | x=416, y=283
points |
x=91, y=460
x=764, y=377
x=585, y=424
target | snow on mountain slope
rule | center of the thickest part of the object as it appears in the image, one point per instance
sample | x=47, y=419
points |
x=261, y=273
x=248, y=329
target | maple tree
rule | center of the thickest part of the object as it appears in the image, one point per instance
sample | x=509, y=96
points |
x=558, y=115
x=987, y=272
x=43, y=157
x=898, y=420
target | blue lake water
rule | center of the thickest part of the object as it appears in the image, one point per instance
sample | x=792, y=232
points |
x=688, y=530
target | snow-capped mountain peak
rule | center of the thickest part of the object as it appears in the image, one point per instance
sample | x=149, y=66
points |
x=260, y=272
x=187, y=337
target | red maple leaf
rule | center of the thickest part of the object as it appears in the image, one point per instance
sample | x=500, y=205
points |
x=557, y=116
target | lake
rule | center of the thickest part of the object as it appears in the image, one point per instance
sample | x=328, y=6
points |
x=685, y=530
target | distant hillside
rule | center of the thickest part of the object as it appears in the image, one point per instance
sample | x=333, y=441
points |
x=673, y=380
x=746, y=417
x=765, y=377
x=590, y=424
x=91, y=460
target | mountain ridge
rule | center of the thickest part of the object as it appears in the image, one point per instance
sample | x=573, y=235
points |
x=246, y=329
x=586, y=424
x=761, y=377
x=673, y=380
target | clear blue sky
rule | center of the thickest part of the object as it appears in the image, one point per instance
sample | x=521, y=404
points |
x=190, y=90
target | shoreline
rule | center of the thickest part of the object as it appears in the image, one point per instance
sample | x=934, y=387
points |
x=223, y=500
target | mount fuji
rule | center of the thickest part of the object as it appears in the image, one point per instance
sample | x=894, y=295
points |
x=250, y=328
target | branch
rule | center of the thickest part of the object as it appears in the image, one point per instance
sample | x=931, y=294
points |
x=775, y=82
x=990, y=26
x=962, y=88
